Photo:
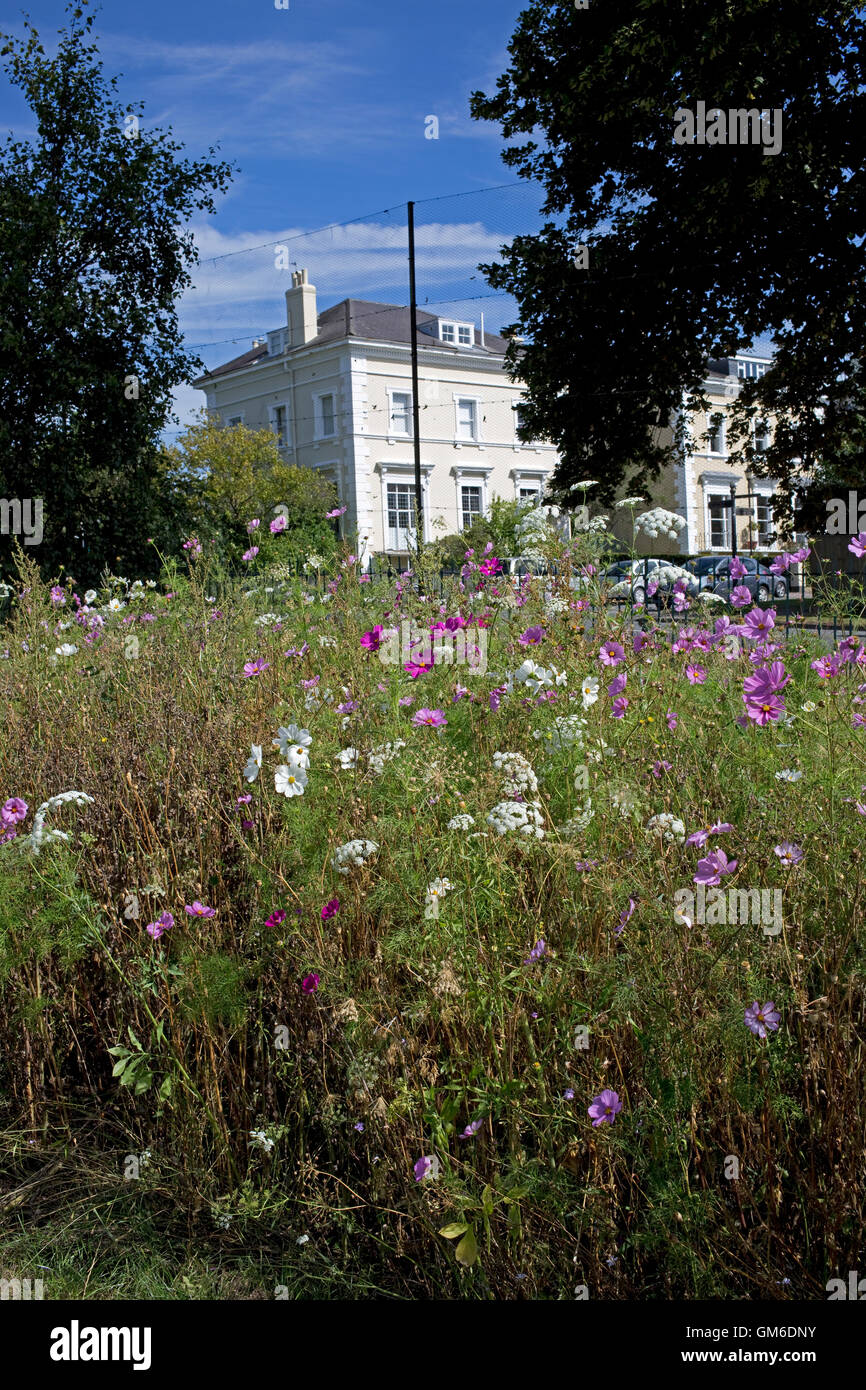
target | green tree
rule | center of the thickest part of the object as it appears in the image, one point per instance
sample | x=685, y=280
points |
x=93, y=259
x=235, y=475
x=692, y=252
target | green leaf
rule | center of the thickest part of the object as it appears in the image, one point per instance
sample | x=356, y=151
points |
x=456, y=1229
x=467, y=1251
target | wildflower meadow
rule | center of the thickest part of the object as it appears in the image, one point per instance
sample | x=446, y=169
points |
x=526, y=963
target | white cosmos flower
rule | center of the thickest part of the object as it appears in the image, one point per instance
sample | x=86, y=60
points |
x=290, y=781
x=254, y=762
x=589, y=691
x=91, y=596
x=348, y=759
x=808, y=707
x=287, y=736
x=66, y=649
x=115, y=605
x=788, y=775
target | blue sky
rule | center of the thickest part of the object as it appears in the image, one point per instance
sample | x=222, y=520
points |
x=322, y=108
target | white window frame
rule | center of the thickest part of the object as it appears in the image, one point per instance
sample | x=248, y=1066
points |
x=711, y=492
x=320, y=417
x=455, y=326
x=399, y=434
x=764, y=494
x=723, y=429
x=272, y=410
x=766, y=433
x=477, y=484
x=238, y=418
x=459, y=397
x=404, y=473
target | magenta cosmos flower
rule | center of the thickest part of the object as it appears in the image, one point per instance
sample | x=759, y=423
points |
x=330, y=909
x=372, y=641
x=310, y=983
x=604, y=1109
x=769, y=680
x=711, y=869
x=252, y=668
x=531, y=636
x=758, y=624
x=434, y=717
x=197, y=909
x=276, y=918
x=762, y=1019
x=163, y=922
x=611, y=654
x=740, y=597
x=700, y=837
x=765, y=710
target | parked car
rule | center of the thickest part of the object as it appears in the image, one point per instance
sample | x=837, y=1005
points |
x=713, y=572
x=632, y=578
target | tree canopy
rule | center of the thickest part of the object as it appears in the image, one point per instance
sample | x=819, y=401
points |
x=692, y=251
x=93, y=257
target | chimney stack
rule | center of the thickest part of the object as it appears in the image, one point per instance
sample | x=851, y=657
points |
x=301, y=317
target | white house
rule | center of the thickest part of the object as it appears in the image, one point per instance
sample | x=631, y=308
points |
x=336, y=389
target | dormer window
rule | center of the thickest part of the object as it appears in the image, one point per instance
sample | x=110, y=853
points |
x=460, y=334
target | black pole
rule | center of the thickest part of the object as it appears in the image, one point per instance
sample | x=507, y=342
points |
x=734, y=519
x=416, y=414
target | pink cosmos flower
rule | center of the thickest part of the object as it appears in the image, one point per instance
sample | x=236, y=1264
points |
x=788, y=854
x=858, y=545
x=278, y=524
x=700, y=837
x=13, y=810
x=618, y=684
x=372, y=640
x=711, y=869
x=531, y=636
x=757, y=624
x=740, y=597
x=762, y=1018
x=250, y=554
x=620, y=705
x=736, y=569
x=276, y=918
x=162, y=924
x=672, y=719
x=338, y=511
x=253, y=525
x=197, y=909
x=434, y=717
x=252, y=668
x=768, y=681
x=611, y=654
x=764, y=710
x=604, y=1108
x=661, y=766
x=696, y=675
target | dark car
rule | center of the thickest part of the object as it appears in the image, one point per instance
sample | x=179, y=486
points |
x=713, y=572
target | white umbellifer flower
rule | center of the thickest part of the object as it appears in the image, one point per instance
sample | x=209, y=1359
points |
x=254, y=762
x=521, y=817
x=262, y=1141
x=670, y=827
x=567, y=729
x=327, y=641
x=577, y=823
x=518, y=777
x=553, y=606
x=707, y=596
x=460, y=822
x=352, y=855
x=659, y=520
x=624, y=800
x=312, y=701
x=293, y=735
x=290, y=781
x=378, y=757
x=265, y=619
x=39, y=835
x=629, y=502
x=592, y=482
x=348, y=759
x=589, y=691
x=66, y=649
x=788, y=775
x=91, y=596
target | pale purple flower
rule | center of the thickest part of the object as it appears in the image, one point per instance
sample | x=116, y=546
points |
x=604, y=1108
x=788, y=853
x=624, y=917
x=253, y=525
x=197, y=909
x=338, y=511
x=471, y=1129
x=619, y=707
x=762, y=1018
x=711, y=869
x=250, y=554
x=611, y=654
x=696, y=675
x=538, y=950
x=426, y=1167
x=531, y=636
x=740, y=597
x=163, y=922
x=278, y=524
x=858, y=545
x=618, y=684
x=252, y=668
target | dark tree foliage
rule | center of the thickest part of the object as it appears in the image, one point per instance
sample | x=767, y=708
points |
x=92, y=263
x=694, y=251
